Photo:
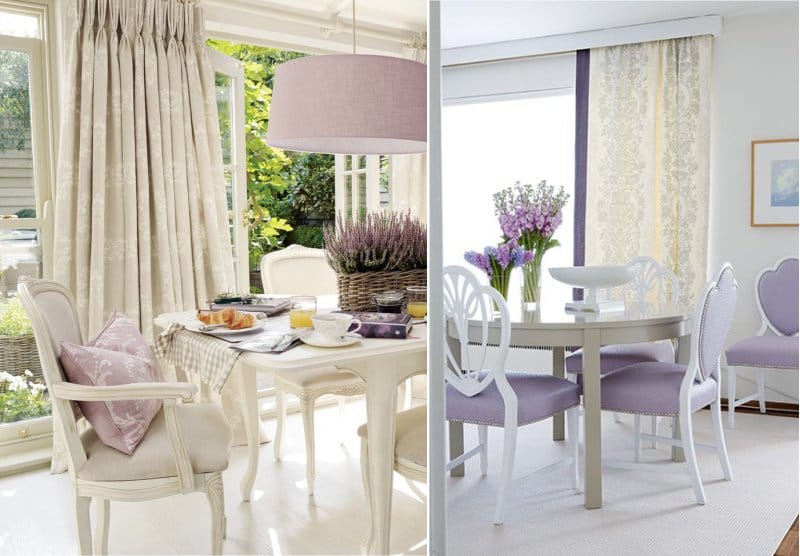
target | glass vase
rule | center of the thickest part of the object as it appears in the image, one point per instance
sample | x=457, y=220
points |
x=500, y=282
x=532, y=285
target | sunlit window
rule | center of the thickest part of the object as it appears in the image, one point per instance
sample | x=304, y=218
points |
x=19, y=25
x=490, y=145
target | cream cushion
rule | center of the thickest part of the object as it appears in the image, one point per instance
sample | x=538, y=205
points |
x=411, y=436
x=320, y=377
x=205, y=432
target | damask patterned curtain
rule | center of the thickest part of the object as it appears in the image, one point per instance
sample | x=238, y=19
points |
x=140, y=211
x=648, y=157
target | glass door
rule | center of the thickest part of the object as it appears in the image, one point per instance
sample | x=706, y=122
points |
x=25, y=192
x=229, y=82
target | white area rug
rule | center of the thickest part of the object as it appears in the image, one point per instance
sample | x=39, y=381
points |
x=648, y=508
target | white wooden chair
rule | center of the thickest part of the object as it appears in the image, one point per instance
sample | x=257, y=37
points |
x=654, y=287
x=410, y=452
x=305, y=271
x=297, y=270
x=775, y=346
x=185, y=449
x=481, y=391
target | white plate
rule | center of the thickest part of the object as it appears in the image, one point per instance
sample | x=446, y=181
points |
x=224, y=331
x=318, y=340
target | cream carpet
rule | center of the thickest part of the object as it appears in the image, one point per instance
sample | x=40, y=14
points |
x=648, y=508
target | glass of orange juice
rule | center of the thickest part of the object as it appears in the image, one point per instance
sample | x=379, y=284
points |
x=417, y=297
x=302, y=308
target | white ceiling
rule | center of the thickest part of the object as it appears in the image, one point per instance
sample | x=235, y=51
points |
x=399, y=15
x=319, y=26
x=473, y=22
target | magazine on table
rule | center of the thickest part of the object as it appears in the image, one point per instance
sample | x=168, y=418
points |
x=381, y=325
x=267, y=305
x=273, y=341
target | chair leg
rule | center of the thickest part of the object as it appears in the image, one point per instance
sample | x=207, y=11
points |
x=216, y=500
x=280, y=416
x=653, y=430
x=483, y=439
x=574, y=446
x=365, y=476
x=719, y=437
x=637, y=437
x=307, y=409
x=342, y=403
x=687, y=440
x=83, y=523
x=509, y=450
x=103, y=509
x=762, y=400
x=731, y=395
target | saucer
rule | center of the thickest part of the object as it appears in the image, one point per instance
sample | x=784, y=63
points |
x=318, y=340
x=224, y=331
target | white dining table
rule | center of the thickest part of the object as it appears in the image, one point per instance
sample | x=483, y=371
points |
x=382, y=363
x=551, y=326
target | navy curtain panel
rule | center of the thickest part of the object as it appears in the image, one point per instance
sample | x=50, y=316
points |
x=581, y=136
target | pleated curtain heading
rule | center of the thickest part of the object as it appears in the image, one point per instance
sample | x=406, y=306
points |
x=141, y=221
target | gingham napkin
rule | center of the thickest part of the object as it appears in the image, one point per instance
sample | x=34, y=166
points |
x=205, y=355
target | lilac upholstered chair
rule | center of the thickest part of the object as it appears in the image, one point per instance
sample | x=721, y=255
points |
x=671, y=389
x=776, y=345
x=653, y=288
x=479, y=389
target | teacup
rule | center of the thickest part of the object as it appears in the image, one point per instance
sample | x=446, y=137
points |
x=333, y=325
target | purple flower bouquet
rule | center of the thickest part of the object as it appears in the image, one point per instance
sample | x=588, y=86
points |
x=530, y=215
x=498, y=262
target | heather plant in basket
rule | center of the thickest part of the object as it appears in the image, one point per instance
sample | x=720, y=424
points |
x=382, y=241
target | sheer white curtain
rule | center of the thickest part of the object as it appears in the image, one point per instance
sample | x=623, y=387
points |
x=648, y=156
x=409, y=172
x=140, y=212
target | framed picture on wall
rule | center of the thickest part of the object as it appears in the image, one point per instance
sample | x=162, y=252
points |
x=774, y=182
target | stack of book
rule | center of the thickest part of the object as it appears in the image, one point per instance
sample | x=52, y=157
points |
x=381, y=325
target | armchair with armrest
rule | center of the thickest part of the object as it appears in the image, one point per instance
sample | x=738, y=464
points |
x=184, y=450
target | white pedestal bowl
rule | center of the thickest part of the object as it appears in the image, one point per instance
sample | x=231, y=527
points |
x=592, y=278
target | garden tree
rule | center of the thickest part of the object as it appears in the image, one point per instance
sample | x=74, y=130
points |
x=286, y=190
x=15, y=106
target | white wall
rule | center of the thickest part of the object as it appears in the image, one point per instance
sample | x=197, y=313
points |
x=755, y=97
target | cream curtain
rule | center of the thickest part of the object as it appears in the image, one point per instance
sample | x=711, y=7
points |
x=648, y=157
x=140, y=212
x=409, y=172
x=140, y=219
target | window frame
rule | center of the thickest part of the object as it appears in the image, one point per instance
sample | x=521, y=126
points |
x=372, y=171
x=234, y=70
x=23, y=443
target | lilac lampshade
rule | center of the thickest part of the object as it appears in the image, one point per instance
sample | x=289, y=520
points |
x=349, y=104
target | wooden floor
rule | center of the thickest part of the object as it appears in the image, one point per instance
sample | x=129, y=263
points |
x=789, y=546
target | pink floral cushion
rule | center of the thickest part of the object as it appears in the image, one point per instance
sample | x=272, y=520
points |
x=117, y=355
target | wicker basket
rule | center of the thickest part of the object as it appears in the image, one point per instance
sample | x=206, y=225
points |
x=356, y=291
x=18, y=353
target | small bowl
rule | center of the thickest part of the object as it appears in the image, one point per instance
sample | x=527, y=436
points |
x=604, y=276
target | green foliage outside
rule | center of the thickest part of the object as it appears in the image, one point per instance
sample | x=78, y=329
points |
x=288, y=192
x=21, y=398
x=13, y=319
x=15, y=106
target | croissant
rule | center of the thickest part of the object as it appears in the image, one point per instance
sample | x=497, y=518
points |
x=242, y=321
x=211, y=317
x=228, y=315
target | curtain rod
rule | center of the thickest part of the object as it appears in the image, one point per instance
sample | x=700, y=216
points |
x=570, y=42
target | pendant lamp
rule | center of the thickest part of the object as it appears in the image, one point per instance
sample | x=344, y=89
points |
x=349, y=104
